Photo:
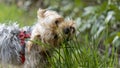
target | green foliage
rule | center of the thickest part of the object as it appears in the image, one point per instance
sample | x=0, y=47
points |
x=13, y=14
x=96, y=40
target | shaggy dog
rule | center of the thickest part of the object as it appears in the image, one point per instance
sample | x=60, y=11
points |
x=29, y=47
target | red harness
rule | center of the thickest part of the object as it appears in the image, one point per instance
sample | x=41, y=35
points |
x=23, y=36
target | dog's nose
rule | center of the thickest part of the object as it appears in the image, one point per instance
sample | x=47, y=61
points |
x=66, y=30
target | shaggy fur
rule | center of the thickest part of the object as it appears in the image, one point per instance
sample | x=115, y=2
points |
x=50, y=31
x=9, y=44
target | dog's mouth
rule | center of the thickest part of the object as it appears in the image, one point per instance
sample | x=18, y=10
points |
x=56, y=37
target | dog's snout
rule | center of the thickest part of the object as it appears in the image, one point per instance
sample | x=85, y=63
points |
x=69, y=30
x=66, y=30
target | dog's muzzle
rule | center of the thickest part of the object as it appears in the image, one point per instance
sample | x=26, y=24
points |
x=68, y=30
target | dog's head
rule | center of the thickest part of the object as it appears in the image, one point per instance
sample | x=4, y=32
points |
x=67, y=29
x=54, y=28
x=49, y=19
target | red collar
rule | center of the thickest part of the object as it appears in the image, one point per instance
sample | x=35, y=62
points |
x=23, y=36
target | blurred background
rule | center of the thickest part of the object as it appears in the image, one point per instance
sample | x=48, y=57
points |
x=24, y=11
x=97, y=41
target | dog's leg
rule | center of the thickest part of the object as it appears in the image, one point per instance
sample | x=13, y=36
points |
x=30, y=43
x=34, y=36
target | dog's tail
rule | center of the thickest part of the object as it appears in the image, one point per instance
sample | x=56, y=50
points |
x=9, y=44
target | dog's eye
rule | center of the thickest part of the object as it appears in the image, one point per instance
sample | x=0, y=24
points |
x=56, y=22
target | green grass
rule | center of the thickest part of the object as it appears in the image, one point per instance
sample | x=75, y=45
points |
x=95, y=30
x=13, y=14
x=96, y=27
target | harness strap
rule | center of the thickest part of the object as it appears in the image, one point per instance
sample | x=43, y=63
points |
x=23, y=36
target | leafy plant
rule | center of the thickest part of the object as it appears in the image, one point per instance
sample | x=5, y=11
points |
x=97, y=40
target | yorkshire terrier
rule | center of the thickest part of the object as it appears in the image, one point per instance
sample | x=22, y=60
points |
x=30, y=47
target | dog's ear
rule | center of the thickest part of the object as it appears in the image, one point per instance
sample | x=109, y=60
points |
x=40, y=13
